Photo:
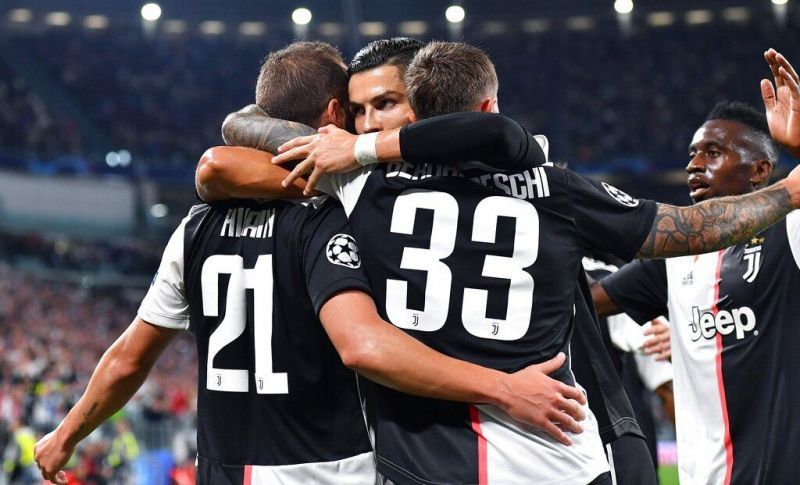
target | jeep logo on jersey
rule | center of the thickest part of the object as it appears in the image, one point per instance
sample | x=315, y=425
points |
x=342, y=250
x=620, y=196
x=706, y=324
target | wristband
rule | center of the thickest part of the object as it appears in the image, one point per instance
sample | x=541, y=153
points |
x=365, y=149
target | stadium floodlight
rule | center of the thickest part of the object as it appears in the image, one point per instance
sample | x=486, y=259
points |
x=455, y=14
x=95, y=22
x=151, y=11
x=159, y=210
x=301, y=16
x=20, y=15
x=58, y=18
x=623, y=6
x=780, y=2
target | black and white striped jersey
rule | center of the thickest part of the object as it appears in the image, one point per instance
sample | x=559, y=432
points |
x=275, y=403
x=483, y=267
x=734, y=332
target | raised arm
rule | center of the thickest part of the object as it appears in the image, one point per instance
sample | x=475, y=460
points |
x=253, y=128
x=493, y=139
x=120, y=373
x=719, y=223
x=387, y=355
x=782, y=102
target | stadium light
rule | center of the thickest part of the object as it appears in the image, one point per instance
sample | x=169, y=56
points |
x=159, y=210
x=151, y=11
x=623, y=6
x=455, y=14
x=20, y=15
x=95, y=22
x=58, y=18
x=301, y=16
x=780, y=2
x=413, y=27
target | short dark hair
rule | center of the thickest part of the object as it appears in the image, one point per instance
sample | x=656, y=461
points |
x=297, y=82
x=759, y=140
x=397, y=51
x=449, y=77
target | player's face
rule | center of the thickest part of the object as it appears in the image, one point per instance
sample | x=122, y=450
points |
x=719, y=165
x=378, y=100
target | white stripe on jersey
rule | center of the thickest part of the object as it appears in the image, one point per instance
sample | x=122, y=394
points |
x=356, y=470
x=518, y=454
x=793, y=228
x=698, y=408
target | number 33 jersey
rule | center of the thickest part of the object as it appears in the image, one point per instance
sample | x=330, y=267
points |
x=482, y=267
x=275, y=404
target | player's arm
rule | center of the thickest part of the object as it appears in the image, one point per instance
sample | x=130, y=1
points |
x=121, y=371
x=387, y=355
x=603, y=304
x=242, y=173
x=782, y=102
x=719, y=223
x=490, y=138
x=253, y=128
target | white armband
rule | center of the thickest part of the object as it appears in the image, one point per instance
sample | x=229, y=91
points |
x=365, y=149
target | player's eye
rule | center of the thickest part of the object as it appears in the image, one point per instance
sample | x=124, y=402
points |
x=713, y=153
x=356, y=110
x=385, y=104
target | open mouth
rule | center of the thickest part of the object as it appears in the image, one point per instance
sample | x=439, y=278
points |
x=697, y=188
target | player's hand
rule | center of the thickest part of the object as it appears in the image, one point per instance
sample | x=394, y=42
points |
x=543, y=402
x=330, y=151
x=51, y=455
x=658, y=344
x=782, y=102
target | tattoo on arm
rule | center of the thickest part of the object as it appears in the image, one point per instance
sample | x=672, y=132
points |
x=714, y=224
x=86, y=417
x=252, y=127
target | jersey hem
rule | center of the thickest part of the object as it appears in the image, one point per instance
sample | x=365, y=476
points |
x=338, y=286
x=163, y=320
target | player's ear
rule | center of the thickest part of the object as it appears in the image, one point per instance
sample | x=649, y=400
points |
x=335, y=113
x=412, y=117
x=489, y=105
x=761, y=173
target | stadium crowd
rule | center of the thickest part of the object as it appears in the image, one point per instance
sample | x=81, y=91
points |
x=161, y=98
x=52, y=334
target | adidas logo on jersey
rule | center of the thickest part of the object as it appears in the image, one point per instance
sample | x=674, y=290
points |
x=342, y=250
x=707, y=325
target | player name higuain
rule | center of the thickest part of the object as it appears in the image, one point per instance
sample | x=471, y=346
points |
x=528, y=184
x=246, y=222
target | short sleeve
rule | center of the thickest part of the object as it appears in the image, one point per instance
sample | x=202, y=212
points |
x=166, y=304
x=345, y=187
x=609, y=220
x=639, y=289
x=331, y=258
x=793, y=230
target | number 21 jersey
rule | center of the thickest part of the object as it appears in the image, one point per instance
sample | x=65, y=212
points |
x=275, y=403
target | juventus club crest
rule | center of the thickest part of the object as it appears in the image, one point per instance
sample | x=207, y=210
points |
x=620, y=196
x=342, y=250
x=752, y=255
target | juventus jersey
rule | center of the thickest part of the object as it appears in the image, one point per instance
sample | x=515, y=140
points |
x=275, y=404
x=734, y=333
x=485, y=272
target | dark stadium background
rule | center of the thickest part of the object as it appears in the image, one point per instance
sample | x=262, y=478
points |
x=103, y=116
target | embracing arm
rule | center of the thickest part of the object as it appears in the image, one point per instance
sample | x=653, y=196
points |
x=719, y=223
x=253, y=128
x=242, y=173
x=121, y=371
x=385, y=354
